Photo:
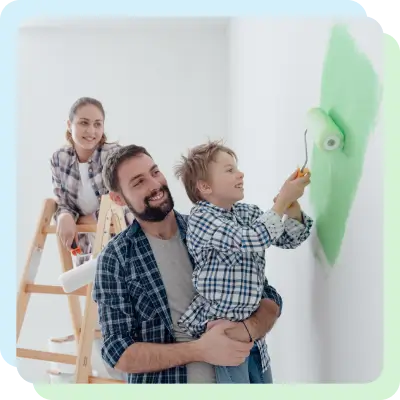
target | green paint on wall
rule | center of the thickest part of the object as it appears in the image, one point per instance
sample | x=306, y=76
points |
x=350, y=95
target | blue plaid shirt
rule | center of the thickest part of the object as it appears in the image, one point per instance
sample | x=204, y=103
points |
x=228, y=248
x=132, y=301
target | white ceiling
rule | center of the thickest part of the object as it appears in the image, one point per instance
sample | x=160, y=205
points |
x=126, y=23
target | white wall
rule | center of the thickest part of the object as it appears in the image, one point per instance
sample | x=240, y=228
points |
x=163, y=85
x=331, y=328
x=187, y=82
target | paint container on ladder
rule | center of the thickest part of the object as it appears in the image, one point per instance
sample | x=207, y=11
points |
x=65, y=345
x=61, y=378
x=60, y=372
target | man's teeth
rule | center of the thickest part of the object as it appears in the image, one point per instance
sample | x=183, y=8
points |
x=158, y=197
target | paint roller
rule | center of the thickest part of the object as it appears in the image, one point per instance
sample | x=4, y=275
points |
x=325, y=133
x=76, y=278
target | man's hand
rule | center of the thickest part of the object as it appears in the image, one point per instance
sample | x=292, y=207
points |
x=215, y=347
x=263, y=320
x=237, y=331
x=259, y=324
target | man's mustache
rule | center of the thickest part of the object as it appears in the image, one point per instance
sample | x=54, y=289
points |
x=163, y=189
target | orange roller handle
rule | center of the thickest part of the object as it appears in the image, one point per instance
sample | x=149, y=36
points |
x=75, y=249
x=300, y=173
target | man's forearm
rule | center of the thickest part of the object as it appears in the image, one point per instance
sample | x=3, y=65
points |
x=262, y=321
x=152, y=357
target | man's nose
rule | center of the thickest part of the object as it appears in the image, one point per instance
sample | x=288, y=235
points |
x=154, y=184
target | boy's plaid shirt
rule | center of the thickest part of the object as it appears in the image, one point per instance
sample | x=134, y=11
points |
x=228, y=249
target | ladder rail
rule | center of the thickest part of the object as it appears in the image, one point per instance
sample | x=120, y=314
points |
x=109, y=215
x=111, y=220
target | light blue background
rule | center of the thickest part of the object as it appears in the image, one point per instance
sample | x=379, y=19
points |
x=10, y=19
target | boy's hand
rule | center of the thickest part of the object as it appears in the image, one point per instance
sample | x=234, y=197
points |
x=293, y=189
x=294, y=211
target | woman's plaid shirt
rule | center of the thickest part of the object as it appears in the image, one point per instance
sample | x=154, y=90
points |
x=66, y=180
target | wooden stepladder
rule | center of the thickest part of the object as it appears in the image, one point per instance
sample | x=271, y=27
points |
x=111, y=220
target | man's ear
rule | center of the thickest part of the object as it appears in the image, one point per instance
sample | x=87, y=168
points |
x=117, y=199
x=203, y=187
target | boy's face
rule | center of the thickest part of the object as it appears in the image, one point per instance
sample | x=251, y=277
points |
x=225, y=183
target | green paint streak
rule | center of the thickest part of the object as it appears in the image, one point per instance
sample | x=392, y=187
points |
x=350, y=95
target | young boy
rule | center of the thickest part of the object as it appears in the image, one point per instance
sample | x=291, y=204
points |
x=227, y=241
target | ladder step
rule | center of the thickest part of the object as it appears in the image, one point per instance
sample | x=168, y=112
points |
x=49, y=289
x=94, y=379
x=80, y=228
x=46, y=356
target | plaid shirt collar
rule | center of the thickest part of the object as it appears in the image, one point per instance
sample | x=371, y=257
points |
x=216, y=210
x=135, y=231
x=95, y=159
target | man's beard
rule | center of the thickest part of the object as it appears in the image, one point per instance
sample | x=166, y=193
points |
x=154, y=214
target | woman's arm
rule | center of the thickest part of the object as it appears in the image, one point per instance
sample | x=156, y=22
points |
x=64, y=204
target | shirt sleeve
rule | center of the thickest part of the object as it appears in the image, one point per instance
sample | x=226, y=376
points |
x=208, y=231
x=63, y=203
x=295, y=232
x=116, y=312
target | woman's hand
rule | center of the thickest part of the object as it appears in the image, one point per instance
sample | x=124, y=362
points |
x=66, y=230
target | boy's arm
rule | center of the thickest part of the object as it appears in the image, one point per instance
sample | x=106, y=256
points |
x=296, y=229
x=208, y=231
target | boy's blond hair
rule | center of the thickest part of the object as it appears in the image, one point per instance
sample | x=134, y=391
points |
x=195, y=166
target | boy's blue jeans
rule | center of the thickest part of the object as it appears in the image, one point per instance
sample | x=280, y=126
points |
x=248, y=372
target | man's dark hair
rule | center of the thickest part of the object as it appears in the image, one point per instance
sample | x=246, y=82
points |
x=111, y=166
